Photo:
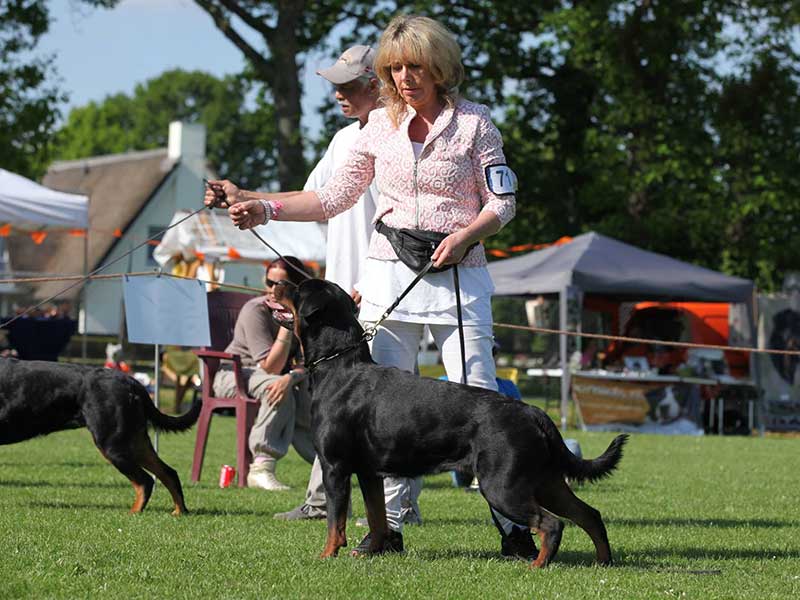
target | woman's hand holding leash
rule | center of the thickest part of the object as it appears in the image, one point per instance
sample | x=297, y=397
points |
x=247, y=214
x=451, y=250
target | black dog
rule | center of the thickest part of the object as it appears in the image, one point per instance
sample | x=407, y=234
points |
x=373, y=421
x=37, y=398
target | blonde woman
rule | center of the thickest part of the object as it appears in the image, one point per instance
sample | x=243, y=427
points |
x=439, y=166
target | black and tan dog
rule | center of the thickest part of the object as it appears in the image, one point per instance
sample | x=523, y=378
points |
x=37, y=398
x=372, y=421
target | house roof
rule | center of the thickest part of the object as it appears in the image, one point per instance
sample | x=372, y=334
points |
x=119, y=186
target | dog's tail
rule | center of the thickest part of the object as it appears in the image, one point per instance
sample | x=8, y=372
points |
x=168, y=423
x=597, y=468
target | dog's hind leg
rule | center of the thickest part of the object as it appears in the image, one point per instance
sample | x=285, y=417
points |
x=549, y=529
x=141, y=481
x=337, y=490
x=558, y=498
x=149, y=460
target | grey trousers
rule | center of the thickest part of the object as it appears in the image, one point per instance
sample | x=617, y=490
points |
x=275, y=427
x=315, y=492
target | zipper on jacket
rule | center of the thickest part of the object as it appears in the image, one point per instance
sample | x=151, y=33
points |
x=416, y=193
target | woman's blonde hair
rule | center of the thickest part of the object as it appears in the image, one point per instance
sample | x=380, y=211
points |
x=423, y=41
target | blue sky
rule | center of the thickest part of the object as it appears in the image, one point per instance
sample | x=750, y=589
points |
x=101, y=52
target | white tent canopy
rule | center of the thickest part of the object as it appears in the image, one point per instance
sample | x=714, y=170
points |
x=28, y=204
x=212, y=234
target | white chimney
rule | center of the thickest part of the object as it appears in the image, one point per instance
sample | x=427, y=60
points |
x=187, y=141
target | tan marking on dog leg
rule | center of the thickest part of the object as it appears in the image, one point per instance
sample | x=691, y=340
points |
x=559, y=499
x=337, y=537
x=150, y=460
x=141, y=498
x=549, y=529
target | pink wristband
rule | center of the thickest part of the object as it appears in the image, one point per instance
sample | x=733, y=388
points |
x=271, y=209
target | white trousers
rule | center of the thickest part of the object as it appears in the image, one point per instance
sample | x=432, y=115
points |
x=396, y=344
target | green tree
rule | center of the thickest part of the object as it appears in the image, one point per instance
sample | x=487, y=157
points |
x=670, y=125
x=28, y=97
x=240, y=132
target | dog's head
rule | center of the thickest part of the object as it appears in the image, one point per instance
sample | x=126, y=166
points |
x=664, y=407
x=323, y=315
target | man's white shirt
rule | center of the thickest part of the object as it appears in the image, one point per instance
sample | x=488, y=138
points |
x=350, y=231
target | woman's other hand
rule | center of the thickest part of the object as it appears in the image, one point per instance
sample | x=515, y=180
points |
x=451, y=250
x=247, y=214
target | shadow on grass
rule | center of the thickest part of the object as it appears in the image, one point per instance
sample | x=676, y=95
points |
x=708, y=523
x=62, y=484
x=622, y=560
x=578, y=559
x=644, y=560
x=200, y=512
x=69, y=464
x=77, y=505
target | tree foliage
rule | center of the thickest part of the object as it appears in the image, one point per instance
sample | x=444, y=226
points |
x=239, y=137
x=670, y=125
x=28, y=97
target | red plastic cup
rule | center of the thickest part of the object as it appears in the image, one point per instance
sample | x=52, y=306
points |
x=226, y=475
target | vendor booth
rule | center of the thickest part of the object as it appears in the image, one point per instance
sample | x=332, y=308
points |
x=634, y=389
x=30, y=209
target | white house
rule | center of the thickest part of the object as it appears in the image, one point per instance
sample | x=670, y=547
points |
x=132, y=196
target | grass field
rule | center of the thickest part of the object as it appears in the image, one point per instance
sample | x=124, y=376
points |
x=687, y=518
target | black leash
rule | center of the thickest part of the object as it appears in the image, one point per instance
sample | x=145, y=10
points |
x=369, y=332
x=219, y=204
x=460, y=327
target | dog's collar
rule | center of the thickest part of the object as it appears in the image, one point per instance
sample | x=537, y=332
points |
x=368, y=334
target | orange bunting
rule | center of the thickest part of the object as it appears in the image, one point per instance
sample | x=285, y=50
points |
x=38, y=236
x=200, y=256
x=499, y=253
x=77, y=232
x=233, y=253
x=118, y=232
x=5, y=230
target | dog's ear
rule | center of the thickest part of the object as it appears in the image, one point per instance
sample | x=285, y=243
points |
x=314, y=295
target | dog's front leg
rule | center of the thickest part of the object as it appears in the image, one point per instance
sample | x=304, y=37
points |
x=372, y=490
x=337, y=491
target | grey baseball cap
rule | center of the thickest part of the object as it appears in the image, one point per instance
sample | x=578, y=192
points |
x=353, y=63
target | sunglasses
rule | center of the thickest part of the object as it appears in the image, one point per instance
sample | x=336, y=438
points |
x=282, y=282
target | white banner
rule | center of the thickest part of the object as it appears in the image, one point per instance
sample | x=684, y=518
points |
x=165, y=310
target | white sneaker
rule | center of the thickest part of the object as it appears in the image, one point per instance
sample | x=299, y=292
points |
x=266, y=481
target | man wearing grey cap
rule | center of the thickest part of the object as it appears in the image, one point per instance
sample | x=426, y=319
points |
x=356, y=93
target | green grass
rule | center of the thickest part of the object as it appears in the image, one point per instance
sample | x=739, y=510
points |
x=687, y=518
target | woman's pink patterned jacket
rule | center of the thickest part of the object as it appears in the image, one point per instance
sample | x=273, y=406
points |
x=443, y=190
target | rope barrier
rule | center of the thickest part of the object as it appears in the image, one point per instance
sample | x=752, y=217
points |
x=135, y=274
x=544, y=330
x=621, y=338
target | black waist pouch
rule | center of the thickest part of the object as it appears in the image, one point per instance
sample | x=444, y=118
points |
x=414, y=247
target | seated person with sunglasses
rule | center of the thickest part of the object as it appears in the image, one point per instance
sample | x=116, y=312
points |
x=268, y=352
